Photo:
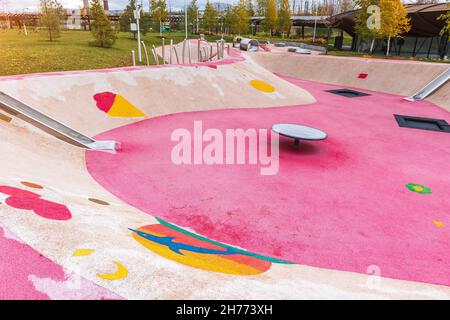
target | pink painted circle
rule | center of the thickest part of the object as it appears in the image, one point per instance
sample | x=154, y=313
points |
x=338, y=204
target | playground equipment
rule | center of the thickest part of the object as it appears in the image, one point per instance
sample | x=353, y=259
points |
x=251, y=45
x=431, y=87
x=52, y=126
x=145, y=52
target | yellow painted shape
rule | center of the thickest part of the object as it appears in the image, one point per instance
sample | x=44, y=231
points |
x=262, y=86
x=418, y=188
x=83, y=252
x=439, y=224
x=123, y=108
x=121, y=273
x=214, y=263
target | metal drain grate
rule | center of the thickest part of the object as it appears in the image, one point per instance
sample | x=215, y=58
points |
x=348, y=93
x=422, y=123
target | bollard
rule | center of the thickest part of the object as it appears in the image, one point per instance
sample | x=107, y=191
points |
x=189, y=52
x=218, y=49
x=210, y=52
x=198, y=51
x=228, y=49
x=163, y=50
x=171, y=49
x=133, y=58
x=222, y=48
x=184, y=51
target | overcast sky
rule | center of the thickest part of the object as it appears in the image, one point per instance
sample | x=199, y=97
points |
x=20, y=5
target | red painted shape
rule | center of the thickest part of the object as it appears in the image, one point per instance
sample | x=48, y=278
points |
x=105, y=100
x=339, y=204
x=26, y=200
x=362, y=75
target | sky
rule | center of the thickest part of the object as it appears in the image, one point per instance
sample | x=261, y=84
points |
x=31, y=5
x=21, y=5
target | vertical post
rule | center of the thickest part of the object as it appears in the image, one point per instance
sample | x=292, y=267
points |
x=163, y=50
x=315, y=26
x=415, y=47
x=137, y=16
x=218, y=49
x=189, y=52
x=133, y=58
x=328, y=40
x=184, y=50
x=196, y=25
x=429, y=48
x=228, y=49
x=198, y=50
x=185, y=21
x=171, y=49
x=210, y=52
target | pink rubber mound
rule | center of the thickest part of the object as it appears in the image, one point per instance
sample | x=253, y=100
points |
x=340, y=204
x=25, y=274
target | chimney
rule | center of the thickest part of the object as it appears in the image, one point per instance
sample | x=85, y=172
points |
x=106, y=5
x=85, y=4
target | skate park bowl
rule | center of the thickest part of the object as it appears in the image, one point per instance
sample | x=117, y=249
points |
x=363, y=214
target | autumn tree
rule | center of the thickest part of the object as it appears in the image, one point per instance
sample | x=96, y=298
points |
x=368, y=20
x=261, y=7
x=346, y=5
x=446, y=18
x=192, y=14
x=284, y=17
x=101, y=28
x=250, y=8
x=270, y=16
x=51, y=13
x=243, y=17
x=159, y=12
x=209, y=17
x=394, y=20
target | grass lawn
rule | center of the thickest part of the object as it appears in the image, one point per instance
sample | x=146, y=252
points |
x=20, y=54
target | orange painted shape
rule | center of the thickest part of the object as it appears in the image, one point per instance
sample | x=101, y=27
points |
x=237, y=264
x=262, y=86
x=123, y=108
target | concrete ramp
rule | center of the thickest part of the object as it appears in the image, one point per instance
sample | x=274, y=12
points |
x=138, y=224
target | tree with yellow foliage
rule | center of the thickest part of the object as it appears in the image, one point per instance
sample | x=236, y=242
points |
x=446, y=18
x=271, y=16
x=394, y=20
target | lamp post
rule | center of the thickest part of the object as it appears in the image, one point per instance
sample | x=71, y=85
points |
x=137, y=16
x=185, y=20
x=315, y=24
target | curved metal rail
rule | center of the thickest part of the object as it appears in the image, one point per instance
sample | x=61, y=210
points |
x=51, y=126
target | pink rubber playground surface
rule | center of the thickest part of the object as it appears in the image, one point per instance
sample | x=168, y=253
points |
x=339, y=204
